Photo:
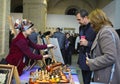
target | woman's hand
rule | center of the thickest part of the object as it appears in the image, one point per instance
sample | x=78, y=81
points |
x=51, y=46
x=46, y=56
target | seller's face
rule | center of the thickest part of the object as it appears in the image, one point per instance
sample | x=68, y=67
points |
x=80, y=19
x=30, y=30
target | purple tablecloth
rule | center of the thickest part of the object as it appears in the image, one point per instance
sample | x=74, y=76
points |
x=24, y=78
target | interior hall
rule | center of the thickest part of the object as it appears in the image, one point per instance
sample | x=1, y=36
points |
x=48, y=15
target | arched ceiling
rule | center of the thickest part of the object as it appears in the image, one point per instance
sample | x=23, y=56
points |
x=62, y=5
x=56, y=2
x=89, y=2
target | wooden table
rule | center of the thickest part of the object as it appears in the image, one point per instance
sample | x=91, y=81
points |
x=24, y=78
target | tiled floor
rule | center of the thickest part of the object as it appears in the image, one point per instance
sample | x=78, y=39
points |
x=74, y=64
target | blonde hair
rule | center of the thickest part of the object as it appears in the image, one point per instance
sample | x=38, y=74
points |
x=98, y=19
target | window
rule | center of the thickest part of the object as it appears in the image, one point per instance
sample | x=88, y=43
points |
x=71, y=10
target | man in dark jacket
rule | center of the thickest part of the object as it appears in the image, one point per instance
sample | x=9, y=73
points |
x=87, y=36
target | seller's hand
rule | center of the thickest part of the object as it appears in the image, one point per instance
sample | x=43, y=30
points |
x=51, y=46
x=46, y=56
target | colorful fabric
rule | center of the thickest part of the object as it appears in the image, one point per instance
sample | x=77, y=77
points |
x=23, y=24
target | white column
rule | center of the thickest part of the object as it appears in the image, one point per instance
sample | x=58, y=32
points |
x=4, y=28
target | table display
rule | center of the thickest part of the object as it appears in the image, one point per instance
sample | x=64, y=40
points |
x=51, y=74
x=56, y=76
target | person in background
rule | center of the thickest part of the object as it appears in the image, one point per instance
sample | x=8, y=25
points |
x=20, y=46
x=72, y=44
x=105, y=51
x=68, y=50
x=33, y=37
x=61, y=40
x=87, y=36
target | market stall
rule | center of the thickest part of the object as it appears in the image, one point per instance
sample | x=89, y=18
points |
x=25, y=77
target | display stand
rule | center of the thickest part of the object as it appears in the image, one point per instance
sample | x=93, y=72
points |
x=8, y=72
x=16, y=76
x=56, y=53
x=11, y=24
x=51, y=50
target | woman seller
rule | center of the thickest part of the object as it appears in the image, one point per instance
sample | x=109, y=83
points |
x=20, y=46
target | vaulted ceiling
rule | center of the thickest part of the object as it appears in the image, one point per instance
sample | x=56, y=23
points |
x=97, y=3
x=60, y=6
